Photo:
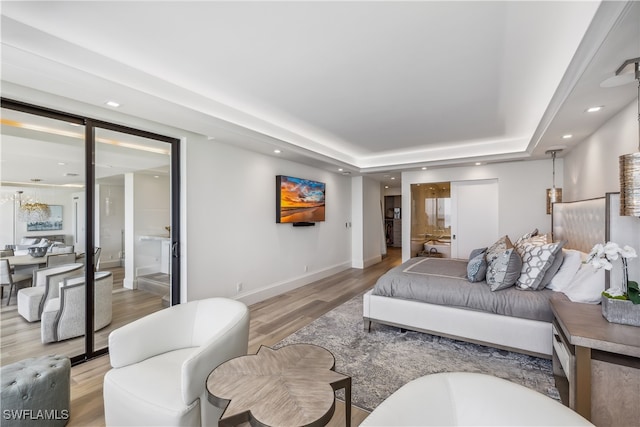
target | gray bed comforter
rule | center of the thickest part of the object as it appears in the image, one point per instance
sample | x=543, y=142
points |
x=444, y=281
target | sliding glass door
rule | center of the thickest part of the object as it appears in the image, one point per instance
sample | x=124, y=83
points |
x=132, y=221
x=104, y=193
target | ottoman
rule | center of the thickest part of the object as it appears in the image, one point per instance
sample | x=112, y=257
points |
x=467, y=399
x=36, y=392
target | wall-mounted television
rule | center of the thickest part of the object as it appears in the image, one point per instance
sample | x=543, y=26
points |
x=299, y=201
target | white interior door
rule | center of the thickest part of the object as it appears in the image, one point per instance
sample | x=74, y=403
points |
x=474, y=217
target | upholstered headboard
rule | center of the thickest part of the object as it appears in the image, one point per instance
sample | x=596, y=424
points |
x=582, y=224
x=587, y=222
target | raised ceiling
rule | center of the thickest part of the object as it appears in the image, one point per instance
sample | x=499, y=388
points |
x=365, y=86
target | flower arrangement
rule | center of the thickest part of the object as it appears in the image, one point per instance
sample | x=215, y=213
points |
x=602, y=256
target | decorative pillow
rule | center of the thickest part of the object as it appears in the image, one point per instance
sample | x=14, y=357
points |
x=536, y=260
x=504, y=270
x=587, y=285
x=474, y=253
x=495, y=250
x=43, y=242
x=570, y=266
x=526, y=236
x=539, y=239
x=553, y=269
x=27, y=241
x=477, y=268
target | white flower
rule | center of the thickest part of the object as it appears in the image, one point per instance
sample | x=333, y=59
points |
x=615, y=292
x=628, y=252
x=611, y=251
x=599, y=263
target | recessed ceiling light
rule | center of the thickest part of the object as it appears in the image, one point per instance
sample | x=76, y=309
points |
x=156, y=176
x=340, y=169
x=61, y=163
x=393, y=177
x=567, y=136
x=113, y=104
x=424, y=168
x=478, y=163
x=211, y=138
x=386, y=186
x=277, y=151
x=595, y=109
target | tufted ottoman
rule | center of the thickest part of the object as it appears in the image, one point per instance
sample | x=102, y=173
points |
x=470, y=399
x=35, y=392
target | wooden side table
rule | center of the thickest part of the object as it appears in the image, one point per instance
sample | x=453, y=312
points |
x=600, y=362
x=291, y=386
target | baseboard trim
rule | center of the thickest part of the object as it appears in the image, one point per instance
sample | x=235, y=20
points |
x=276, y=289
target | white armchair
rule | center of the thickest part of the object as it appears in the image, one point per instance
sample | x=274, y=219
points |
x=64, y=317
x=45, y=285
x=161, y=363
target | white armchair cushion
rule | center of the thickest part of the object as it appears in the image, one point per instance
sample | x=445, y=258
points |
x=467, y=399
x=29, y=302
x=45, y=283
x=190, y=340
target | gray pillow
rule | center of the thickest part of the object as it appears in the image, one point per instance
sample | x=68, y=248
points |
x=477, y=268
x=553, y=269
x=474, y=253
x=504, y=270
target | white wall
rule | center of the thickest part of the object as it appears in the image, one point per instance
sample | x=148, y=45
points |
x=231, y=233
x=367, y=231
x=110, y=223
x=592, y=168
x=521, y=194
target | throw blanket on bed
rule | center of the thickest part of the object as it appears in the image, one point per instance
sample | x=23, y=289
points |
x=444, y=281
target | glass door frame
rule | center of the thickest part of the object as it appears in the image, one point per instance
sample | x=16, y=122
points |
x=91, y=125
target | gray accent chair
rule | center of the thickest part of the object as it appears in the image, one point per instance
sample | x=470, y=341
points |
x=60, y=259
x=63, y=317
x=7, y=278
x=36, y=386
x=46, y=281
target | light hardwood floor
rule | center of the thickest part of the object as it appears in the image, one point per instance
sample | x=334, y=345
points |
x=271, y=321
x=21, y=339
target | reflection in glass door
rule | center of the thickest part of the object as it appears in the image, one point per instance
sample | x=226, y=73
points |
x=42, y=178
x=99, y=200
x=132, y=223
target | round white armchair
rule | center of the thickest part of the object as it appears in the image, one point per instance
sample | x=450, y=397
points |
x=470, y=399
x=161, y=363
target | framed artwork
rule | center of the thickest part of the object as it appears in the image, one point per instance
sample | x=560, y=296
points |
x=53, y=223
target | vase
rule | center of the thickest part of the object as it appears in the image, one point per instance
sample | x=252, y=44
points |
x=621, y=311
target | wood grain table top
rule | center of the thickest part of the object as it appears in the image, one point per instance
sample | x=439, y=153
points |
x=584, y=325
x=292, y=386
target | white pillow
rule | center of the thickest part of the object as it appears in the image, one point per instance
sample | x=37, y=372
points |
x=568, y=269
x=587, y=285
x=26, y=241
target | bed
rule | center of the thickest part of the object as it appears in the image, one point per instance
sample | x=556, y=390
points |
x=482, y=316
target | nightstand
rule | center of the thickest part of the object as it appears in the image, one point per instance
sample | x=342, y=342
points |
x=597, y=362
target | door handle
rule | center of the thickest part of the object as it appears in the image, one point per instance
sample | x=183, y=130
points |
x=175, y=250
x=453, y=237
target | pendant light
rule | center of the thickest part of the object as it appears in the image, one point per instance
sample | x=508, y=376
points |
x=630, y=163
x=553, y=194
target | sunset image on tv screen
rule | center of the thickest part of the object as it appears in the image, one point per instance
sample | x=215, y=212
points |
x=301, y=200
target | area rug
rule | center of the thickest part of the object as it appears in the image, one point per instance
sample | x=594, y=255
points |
x=381, y=361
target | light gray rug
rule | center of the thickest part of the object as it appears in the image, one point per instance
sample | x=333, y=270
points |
x=383, y=360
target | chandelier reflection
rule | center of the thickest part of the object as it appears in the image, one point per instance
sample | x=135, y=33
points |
x=32, y=211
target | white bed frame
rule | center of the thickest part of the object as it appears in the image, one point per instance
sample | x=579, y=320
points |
x=582, y=224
